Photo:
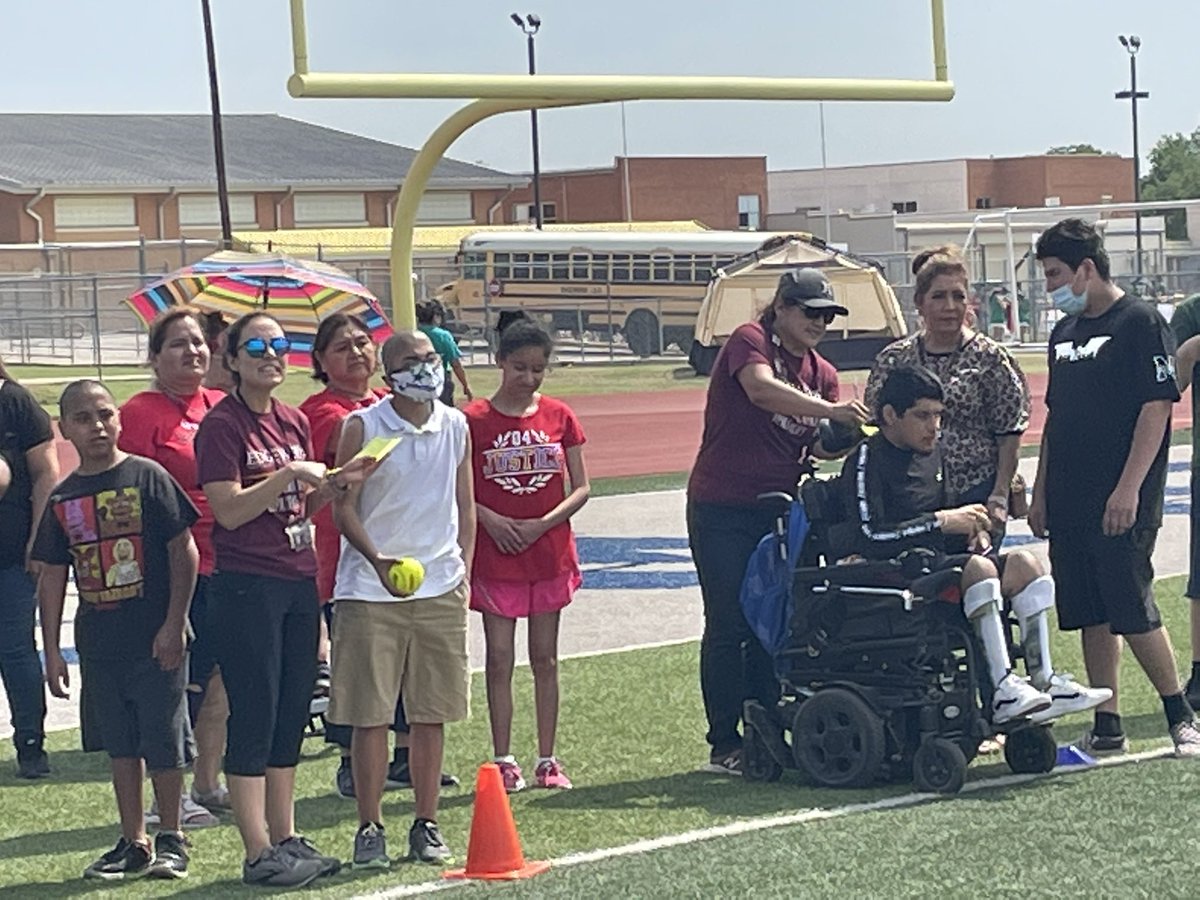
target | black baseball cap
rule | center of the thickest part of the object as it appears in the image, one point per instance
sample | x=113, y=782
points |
x=808, y=288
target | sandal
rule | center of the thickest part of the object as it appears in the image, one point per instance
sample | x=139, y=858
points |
x=217, y=799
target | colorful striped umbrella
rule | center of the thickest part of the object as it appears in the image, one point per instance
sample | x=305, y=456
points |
x=300, y=293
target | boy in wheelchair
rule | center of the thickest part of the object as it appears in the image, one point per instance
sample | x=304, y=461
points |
x=895, y=500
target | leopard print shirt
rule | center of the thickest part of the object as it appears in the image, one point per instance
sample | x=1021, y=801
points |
x=987, y=398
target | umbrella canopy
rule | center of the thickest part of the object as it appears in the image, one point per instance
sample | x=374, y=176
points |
x=299, y=293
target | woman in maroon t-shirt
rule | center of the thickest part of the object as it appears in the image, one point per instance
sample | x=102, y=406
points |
x=255, y=461
x=767, y=395
x=161, y=424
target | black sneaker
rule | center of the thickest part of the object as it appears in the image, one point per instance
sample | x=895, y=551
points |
x=302, y=848
x=170, y=856
x=425, y=843
x=344, y=779
x=124, y=861
x=398, y=776
x=278, y=868
x=370, y=848
x=32, y=765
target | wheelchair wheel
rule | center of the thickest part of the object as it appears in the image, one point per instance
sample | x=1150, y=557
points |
x=757, y=762
x=837, y=739
x=1031, y=750
x=939, y=766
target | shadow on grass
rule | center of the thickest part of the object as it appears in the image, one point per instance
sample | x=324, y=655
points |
x=331, y=811
x=66, y=767
x=57, y=843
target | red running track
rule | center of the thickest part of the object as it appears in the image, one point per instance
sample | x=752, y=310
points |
x=652, y=433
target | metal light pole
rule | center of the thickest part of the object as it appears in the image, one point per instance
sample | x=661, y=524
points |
x=625, y=167
x=218, y=138
x=530, y=25
x=1132, y=45
x=824, y=172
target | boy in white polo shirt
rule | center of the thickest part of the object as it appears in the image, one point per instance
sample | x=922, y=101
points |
x=419, y=503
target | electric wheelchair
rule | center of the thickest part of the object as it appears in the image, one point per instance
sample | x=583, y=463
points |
x=877, y=666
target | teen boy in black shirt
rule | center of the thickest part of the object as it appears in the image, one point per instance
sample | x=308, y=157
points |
x=123, y=524
x=1102, y=472
x=894, y=481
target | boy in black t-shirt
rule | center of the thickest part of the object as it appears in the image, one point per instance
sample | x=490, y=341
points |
x=123, y=524
x=896, y=490
x=1102, y=472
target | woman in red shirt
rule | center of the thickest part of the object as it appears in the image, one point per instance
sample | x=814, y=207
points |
x=161, y=424
x=525, y=565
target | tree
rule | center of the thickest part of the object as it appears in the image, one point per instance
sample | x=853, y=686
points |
x=1075, y=150
x=1174, y=175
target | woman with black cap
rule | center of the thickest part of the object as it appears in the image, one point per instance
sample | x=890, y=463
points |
x=767, y=395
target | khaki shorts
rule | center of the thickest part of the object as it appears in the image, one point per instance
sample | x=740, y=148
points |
x=414, y=647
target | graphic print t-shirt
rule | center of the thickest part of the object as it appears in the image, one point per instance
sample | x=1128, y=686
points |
x=520, y=467
x=239, y=445
x=745, y=450
x=1102, y=371
x=113, y=528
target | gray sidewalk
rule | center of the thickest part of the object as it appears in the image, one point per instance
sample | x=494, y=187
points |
x=640, y=586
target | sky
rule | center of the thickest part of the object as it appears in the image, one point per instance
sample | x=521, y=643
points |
x=1030, y=74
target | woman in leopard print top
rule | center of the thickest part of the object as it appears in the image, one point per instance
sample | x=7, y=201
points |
x=987, y=397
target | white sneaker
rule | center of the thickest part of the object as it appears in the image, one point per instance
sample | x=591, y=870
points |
x=1069, y=696
x=1187, y=740
x=1014, y=698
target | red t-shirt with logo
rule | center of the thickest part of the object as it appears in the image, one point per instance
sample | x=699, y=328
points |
x=237, y=444
x=745, y=450
x=163, y=428
x=520, y=466
x=325, y=411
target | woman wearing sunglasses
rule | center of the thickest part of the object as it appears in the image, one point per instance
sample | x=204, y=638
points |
x=987, y=397
x=257, y=467
x=768, y=392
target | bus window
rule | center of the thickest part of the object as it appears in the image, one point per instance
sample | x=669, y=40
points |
x=520, y=270
x=600, y=267
x=500, y=263
x=641, y=267
x=620, y=267
x=662, y=268
x=475, y=266
x=683, y=270
x=560, y=270
x=541, y=266
x=579, y=267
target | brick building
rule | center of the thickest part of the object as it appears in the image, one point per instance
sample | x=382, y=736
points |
x=955, y=185
x=78, y=179
x=724, y=193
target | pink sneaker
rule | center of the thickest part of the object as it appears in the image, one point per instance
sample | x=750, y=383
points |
x=550, y=774
x=511, y=773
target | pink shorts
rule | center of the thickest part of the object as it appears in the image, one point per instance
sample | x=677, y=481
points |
x=521, y=599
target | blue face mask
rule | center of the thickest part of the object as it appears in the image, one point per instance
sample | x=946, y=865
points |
x=1065, y=300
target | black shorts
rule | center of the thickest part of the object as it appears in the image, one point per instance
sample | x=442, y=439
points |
x=1193, y=585
x=132, y=708
x=1106, y=581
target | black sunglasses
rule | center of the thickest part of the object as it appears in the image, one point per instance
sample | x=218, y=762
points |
x=827, y=314
x=256, y=348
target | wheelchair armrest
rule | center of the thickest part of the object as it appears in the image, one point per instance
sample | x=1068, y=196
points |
x=933, y=584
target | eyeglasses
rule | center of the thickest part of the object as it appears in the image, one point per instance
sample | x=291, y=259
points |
x=256, y=348
x=827, y=314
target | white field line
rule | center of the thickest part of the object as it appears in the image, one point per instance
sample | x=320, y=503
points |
x=763, y=823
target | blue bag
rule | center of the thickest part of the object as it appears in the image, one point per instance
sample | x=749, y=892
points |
x=766, y=594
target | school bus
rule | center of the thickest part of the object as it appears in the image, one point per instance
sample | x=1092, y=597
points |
x=645, y=286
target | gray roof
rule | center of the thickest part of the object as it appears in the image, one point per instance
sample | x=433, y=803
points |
x=60, y=151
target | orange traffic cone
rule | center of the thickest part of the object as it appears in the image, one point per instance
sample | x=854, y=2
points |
x=494, y=850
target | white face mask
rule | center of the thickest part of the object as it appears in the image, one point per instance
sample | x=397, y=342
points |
x=421, y=381
x=1067, y=301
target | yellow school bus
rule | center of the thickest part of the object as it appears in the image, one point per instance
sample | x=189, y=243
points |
x=645, y=286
